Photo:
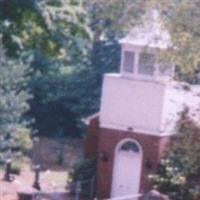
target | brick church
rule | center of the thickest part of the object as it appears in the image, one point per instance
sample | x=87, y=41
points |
x=138, y=112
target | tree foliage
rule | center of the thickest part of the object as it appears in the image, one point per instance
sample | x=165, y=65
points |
x=40, y=24
x=112, y=17
x=53, y=35
x=51, y=105
x=13, y=105
x=178, y=172
x=182, y=18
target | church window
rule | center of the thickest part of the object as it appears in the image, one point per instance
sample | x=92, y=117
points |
x=130, y=146
x=128, y=63
x=146, y=64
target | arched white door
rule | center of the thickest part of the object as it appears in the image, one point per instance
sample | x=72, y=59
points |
x=127, y=168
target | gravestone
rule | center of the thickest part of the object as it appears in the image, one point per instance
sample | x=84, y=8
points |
x=36, y=183
x=7, y=176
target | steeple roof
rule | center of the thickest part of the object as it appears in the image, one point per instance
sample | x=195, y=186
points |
x=150, y=32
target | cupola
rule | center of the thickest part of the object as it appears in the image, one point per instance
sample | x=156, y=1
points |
x=140, y=50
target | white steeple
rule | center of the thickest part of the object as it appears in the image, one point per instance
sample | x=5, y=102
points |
x=150, y=33
x=140, y=47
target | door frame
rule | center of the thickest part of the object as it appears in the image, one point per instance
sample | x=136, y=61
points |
x=118, y=146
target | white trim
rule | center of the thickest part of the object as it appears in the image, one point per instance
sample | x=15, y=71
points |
x=128, y=74
x=137, y=58
x=126, y=41
x=122, y=61
x=129, y=77
x=152, y=132
x=88, y=119
x=128, y=139
x=120, y=143
x=135, y=74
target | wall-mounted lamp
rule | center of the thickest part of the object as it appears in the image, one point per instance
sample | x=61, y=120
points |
x=148, y=165
x=103, y=156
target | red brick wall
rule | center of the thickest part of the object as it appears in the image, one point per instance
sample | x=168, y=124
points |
x=152, y=147
x=91, y=140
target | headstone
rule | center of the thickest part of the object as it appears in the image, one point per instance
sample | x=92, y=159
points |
x=36, y=183
x=7, y=176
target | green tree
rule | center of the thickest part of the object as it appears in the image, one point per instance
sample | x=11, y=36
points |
x=13, y=105
x=182, y=19
x=51, y=105
x=112, y=17
x=178, y=173
x=54, y=36
x=41, y=24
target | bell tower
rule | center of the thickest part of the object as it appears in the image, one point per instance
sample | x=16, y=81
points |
x=134, y=99
x=140, y=49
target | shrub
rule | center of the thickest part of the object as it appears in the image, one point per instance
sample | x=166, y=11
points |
x=178, y=173
x=23, y=137
x=85, y=171
x=16, y=168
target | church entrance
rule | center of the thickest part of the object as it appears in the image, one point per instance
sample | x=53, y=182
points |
x=127, y=168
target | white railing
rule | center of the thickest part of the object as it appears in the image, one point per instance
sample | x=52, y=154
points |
x=128, y=197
